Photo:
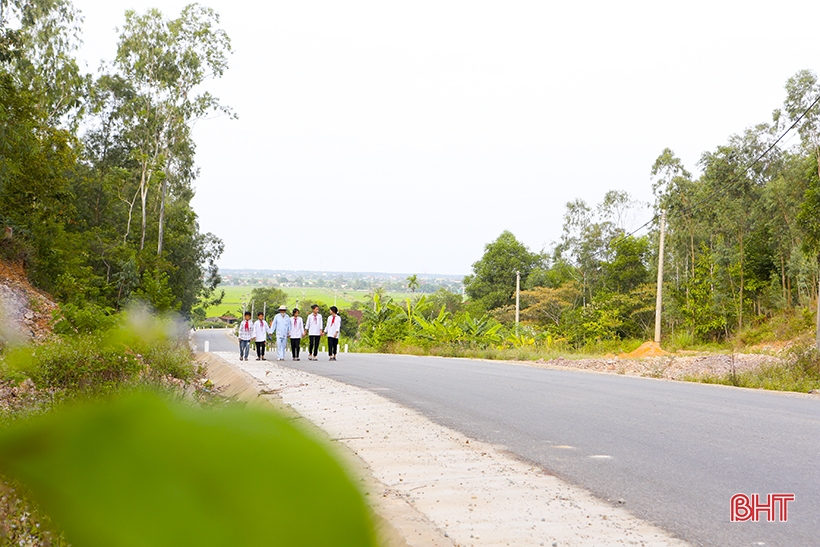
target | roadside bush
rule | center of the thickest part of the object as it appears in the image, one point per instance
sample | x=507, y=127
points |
x=83, y=319
x=786, y=325
x=799, y=371
x=140, y=349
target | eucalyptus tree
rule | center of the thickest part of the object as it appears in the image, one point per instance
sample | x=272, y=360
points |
x=591, y=239
x=734, y=176
x=781, y=203
x=802, y=96
x=162, y=64
x=675, y=193
x=39, y=39
x=803, y=103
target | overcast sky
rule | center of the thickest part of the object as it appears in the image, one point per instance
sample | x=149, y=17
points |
x=404, y=136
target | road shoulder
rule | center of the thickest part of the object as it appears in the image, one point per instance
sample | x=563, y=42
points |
x=398, y=523
x=471, y=493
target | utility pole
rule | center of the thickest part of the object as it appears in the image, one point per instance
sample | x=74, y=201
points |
x=517, y=299
x=659, y=298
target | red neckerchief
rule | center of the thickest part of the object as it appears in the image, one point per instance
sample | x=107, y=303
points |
x=333, y=320
x=247, y=325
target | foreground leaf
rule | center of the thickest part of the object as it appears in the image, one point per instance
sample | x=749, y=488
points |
x=143, y=471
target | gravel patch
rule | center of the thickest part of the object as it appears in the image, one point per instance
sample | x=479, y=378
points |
x=668, y=367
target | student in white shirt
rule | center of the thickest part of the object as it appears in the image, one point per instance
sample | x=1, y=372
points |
x=260, y=333
x=314, y=326
x=297, y=331
x=245, y=334
x=332, y=329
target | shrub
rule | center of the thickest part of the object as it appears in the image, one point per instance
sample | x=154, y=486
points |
x=799, y=371
x=139, y=349
x=83, y=319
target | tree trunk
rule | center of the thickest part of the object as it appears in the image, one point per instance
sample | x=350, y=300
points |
x=789, y=289
x=783, y=281
x=817, y=331
x=692, y=248
x=144, y=199
x=130, y=215
x=145, y=182
x=740, y=308
x=162, y=214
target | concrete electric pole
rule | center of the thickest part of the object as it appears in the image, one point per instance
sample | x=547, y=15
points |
x=517, y=300
x=659, y=298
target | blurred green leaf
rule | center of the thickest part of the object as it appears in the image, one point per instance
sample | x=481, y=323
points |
x=143, y=471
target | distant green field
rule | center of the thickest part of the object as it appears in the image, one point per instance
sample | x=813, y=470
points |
x=235, y=296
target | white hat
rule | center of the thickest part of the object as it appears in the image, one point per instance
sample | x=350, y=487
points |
x=283, y=307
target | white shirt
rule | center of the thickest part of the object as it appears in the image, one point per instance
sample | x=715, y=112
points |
x=297, y=327
x=334, y=325
x=245, y=329
x=314, y=324
x=260, y=330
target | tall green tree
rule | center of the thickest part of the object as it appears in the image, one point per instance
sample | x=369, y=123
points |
x=40, y=51
x=272, y=297
x=160, y=64
x=802, y=96
x=68, y=190
x=492, y=283
x=735, y=191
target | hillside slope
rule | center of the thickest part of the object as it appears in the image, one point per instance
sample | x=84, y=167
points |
x=25, y=312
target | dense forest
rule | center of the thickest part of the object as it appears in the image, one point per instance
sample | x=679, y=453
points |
x=97, y=170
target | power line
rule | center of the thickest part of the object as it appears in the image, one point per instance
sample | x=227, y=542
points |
x=754, y=162
x=729, y=186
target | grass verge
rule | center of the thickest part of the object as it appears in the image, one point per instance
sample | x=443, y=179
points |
x=798, y=371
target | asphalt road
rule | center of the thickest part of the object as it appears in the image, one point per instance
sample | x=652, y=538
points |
x=217, y=341
x=673, y=452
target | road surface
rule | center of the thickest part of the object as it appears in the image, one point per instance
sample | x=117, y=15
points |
x=674, y=453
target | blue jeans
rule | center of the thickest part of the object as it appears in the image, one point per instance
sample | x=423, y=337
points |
x=244, y=348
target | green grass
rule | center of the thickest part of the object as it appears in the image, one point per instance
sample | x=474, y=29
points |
x=799, y=371
x=234, y=296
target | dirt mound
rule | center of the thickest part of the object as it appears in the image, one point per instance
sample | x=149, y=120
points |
x=647, y=349
x=25, y=312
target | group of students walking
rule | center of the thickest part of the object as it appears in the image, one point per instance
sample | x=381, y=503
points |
x=284, y=327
